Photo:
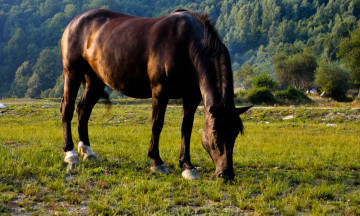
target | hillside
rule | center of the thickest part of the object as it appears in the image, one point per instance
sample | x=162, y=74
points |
x=254, y=31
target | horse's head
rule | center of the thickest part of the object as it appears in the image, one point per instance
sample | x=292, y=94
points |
x=221, y=128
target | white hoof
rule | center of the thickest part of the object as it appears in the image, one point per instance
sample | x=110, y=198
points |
x=72, y=159
x=86, y=151
x=190, y=174
x=161, y=169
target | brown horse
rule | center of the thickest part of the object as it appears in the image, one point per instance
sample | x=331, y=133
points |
x=176, y=56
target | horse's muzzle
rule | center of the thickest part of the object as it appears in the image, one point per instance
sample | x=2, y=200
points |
x=228, y=175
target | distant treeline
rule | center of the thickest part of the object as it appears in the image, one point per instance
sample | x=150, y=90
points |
x=256, y=32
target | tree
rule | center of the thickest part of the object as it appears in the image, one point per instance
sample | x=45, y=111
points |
x=33, y=86
x=349, y=50
x=244, y=75
x=48, y=8
x=333, y=79
x=57, y=91
x=22, y=76
x=16, y=47
x=47, y=69
x=297, y=70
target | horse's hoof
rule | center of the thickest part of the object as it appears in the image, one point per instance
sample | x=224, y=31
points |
x=91, y=157
x=86, y=151
x=72, y=163
x=72, y=159
x=161, y=169
x=190, y=174
x=71, y=167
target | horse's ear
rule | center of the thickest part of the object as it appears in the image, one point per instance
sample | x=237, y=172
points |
x=215, y=110
x=241, y=110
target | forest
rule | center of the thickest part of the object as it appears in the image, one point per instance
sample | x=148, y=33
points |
x=295, y=43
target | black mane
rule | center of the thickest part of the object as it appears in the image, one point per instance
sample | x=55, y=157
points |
x=212, y=40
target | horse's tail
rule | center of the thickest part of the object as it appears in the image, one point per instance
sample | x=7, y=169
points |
x=106, y=97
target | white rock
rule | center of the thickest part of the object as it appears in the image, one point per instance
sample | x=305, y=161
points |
x=331, y=125
x=289, y=117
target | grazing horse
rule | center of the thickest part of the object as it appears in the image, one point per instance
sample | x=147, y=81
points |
x=176, y=56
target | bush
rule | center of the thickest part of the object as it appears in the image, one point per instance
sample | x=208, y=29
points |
x=333, y=79
x=292, y=95
x=264, y=80
x=241, y=93
x=261, y=95
x=240, y=96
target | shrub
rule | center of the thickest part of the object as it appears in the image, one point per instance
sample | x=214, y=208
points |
x=240, y=96
x=261, y=95
x=292, y=95
x=264, y=80
x=241, y=93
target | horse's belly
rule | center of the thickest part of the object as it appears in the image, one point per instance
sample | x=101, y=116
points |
x=135, y=93
x=139, y=88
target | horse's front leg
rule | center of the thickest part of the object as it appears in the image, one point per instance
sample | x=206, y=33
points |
x=157, y=121
x=189, y=171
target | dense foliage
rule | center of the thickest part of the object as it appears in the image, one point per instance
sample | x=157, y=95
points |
x=293, y=96
x=264, y=80
x=296, y=70
x=333, y=79
x=349, y=50
x=255, y=31
x=260, y=95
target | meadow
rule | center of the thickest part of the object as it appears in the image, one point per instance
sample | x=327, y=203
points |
x=290, y=161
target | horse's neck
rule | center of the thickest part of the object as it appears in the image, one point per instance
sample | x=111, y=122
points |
x=209, y=90
x=216, y=89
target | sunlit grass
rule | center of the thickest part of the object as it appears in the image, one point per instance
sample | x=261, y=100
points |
x=288, y=167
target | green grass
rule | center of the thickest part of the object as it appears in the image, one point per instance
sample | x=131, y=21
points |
x=288, y=167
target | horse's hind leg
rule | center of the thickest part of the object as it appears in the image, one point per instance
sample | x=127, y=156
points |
x=189, y=107
x=94, y=88
x=71, y=87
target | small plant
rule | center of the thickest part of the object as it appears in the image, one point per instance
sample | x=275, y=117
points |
x=73, y=198
x=4, y=208
x=261, y=95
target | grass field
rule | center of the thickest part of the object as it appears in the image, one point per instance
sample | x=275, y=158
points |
x=308, y=164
